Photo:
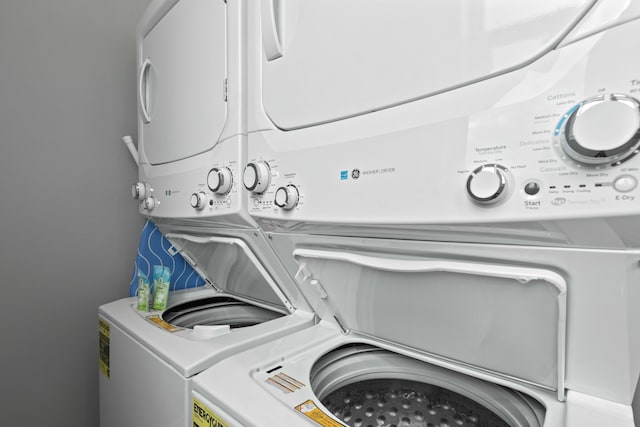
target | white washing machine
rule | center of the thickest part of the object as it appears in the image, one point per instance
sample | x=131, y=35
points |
x=148, y=360
x=191, y=121
x=483, y=121
x=441, y=334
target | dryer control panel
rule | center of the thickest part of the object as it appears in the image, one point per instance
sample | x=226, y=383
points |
x=556, y=139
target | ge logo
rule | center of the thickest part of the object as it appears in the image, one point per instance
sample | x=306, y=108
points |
x=355, y=174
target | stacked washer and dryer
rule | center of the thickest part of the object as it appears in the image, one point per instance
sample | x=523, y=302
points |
x=192, y=147
x=454, y=187
x=427, y=210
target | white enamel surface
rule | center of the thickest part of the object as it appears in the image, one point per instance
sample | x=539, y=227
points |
x=592, y=367
x=604, y=14
x=296, y=355
x=168, y=361
x=606, y=125
x=187, y=111
x=195, y=45
x=336, y=65
x=509, y=120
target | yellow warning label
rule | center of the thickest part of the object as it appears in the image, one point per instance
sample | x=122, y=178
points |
x=311, y=410
x=104, y=336
x=164, y=325
x=205, y=417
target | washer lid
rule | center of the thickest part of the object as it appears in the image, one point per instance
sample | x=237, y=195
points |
x=503, y=319
x=230, y=265
x=326, y=60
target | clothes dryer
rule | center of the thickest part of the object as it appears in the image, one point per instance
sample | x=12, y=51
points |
x=191, y=77
x=482, y=122
x=149, y=360
x=428, y=333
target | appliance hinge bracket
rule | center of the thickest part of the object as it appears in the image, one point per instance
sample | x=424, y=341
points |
x=225, y=89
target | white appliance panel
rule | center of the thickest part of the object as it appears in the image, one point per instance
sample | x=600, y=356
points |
x=135, y=372
x=340, y=59
x=191, y=90
x=182, y=90
x=602, y=349
x=411, y=165
x=296, y=354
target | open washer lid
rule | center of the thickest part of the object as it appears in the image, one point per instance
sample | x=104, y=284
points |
x=501, y=319
x=326, y=60
x=229, y=265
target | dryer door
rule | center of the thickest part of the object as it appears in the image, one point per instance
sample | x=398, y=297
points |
x=182, y=69
x=326, y=60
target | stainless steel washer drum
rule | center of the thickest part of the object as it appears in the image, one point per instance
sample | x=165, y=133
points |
x=366, y=386
x=218, y=311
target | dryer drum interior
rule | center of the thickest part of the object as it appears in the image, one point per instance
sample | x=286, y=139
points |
x=367, y=386
x=218, y=311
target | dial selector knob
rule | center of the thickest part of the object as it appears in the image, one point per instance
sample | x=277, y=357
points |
x=287, y=197
x=138, y=190
x=220, y=180
x=198, y=200
x=149, y=203
x=487, y=184
x=256, y=177
x=603, y=129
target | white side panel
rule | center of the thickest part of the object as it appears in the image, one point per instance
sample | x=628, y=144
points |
x=183, y=91
x=340, y=59
x=142, y=390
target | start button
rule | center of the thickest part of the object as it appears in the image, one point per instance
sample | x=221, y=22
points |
x=625, y=183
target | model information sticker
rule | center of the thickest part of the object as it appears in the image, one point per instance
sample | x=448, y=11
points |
x=104, y=337
x=157, y=320
x=205, y=417
x=311, y=410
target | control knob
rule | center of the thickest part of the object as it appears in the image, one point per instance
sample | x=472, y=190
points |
x=149, y=203
x=257, y=176
x=603, y=129
x=220, y=180
x=487, y=184
x=287, y=197
x=198, y=200
x=138, y=190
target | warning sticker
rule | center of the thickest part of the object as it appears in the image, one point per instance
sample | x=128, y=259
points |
x=311, y=410
x=205, y=417
x=104, y=336
x=164, y=325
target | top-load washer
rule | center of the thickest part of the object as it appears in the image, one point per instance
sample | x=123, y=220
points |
x=149, y=359
x=474, y=121
x=191, y=101
x=417, y=333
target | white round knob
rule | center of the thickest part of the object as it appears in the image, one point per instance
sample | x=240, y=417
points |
x=220, y=180
x=198, y=200
x=256, y=177
x=604, y=129
x=149, y=203
x=138, y=190
x=287, y=197
x=487, y=184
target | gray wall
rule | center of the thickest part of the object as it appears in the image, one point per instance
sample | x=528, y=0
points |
x=68, y=227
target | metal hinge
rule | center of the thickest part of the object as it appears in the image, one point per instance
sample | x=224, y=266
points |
x=225, y=89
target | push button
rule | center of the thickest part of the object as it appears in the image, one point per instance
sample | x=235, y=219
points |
x=625, y=183
x=532, y=188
